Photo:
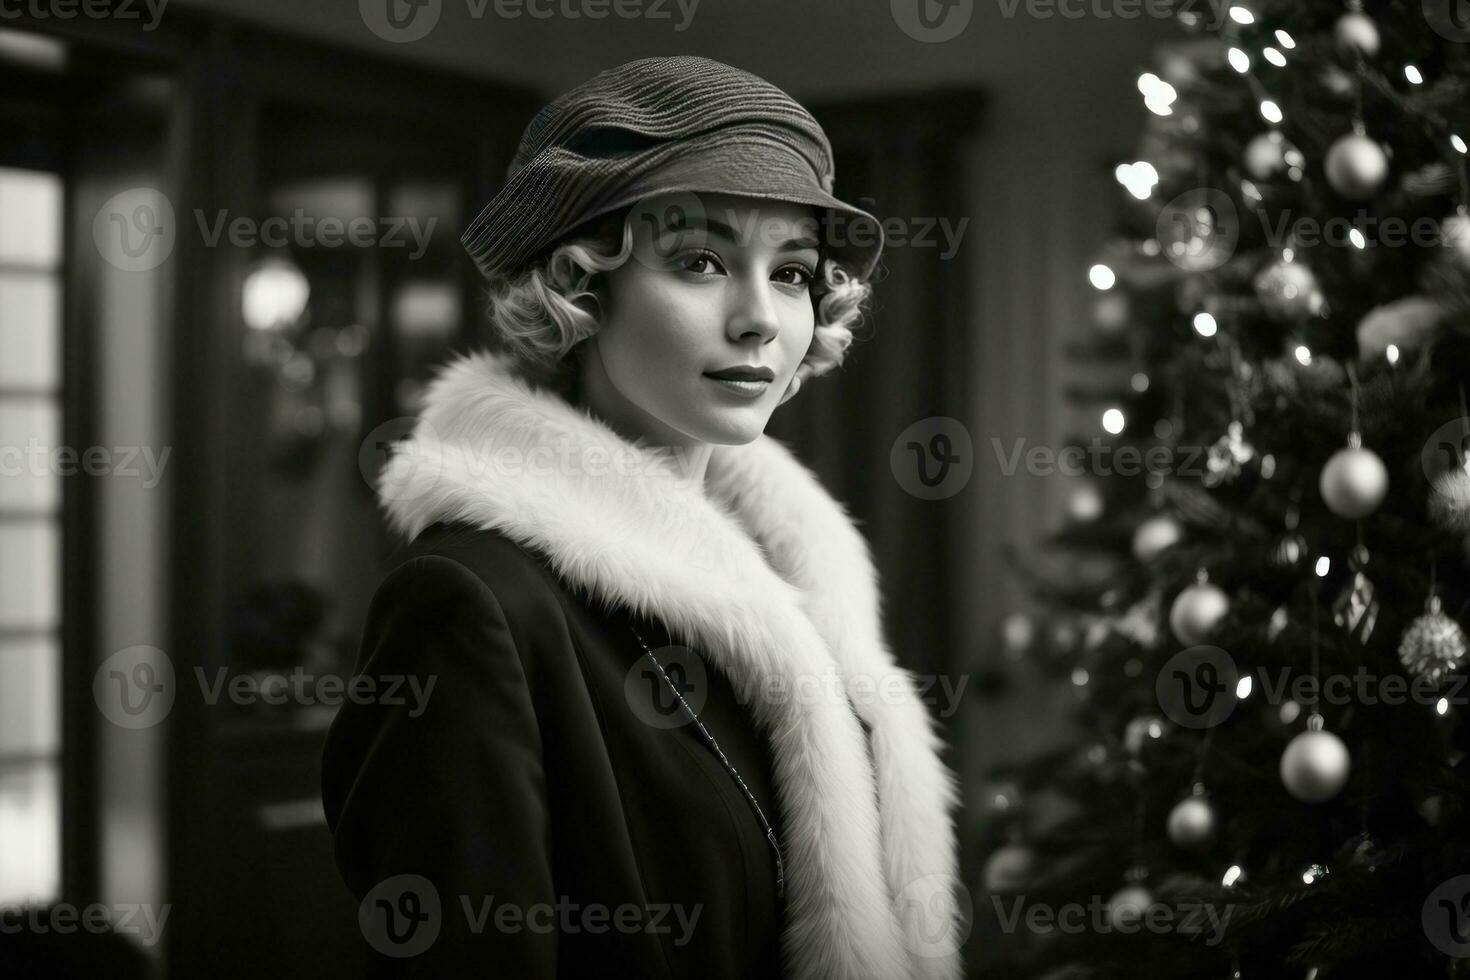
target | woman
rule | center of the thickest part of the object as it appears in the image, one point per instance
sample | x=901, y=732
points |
x=665, y=736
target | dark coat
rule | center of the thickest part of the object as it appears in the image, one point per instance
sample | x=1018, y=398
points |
x=543, y=764
x=533, y=775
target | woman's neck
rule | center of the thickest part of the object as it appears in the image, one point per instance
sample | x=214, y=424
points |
x=596, y=393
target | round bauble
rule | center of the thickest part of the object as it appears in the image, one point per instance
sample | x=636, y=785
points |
x=1357, y=34
x=1128, y=906
x=1315, y=766
x=1433, y=646
x=1009, y=869
x=1192, y=822
x=1354, y=482
x=1196, y=612
x=1155, y=535
x=1288, y=291
x=1356, y=166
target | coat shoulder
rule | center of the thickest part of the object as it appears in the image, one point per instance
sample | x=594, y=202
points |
x=520, y=578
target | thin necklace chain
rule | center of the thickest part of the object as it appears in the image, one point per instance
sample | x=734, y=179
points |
x=760, y=815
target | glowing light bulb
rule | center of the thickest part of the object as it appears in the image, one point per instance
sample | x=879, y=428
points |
x=1412, y=74
x=1113, y=421
x=1324, y=565
x=1242, y=16
x=1204, y=324
x=1101, y=276
x=1285, y=40
x=1239, y=60
x=1275, y=57
x=1270, y=111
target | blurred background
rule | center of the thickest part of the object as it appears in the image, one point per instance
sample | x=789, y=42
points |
x=208, y=400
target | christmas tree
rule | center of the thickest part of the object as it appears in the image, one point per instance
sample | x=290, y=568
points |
x=1267, y=564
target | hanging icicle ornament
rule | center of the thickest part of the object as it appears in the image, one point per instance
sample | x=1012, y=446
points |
x=1316, y=764
x=1197, y=611
x=1434, y=645
x=1356, y=608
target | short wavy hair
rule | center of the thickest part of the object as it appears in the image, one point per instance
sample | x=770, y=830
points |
x=535, y=316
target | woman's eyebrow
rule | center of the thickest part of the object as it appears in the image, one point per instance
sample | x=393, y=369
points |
x=720, y=228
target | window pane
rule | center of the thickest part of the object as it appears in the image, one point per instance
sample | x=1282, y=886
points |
x=29, y=566
x=30, y=218
x=30, y=434
x=30, y=697
x=30, y=329
x=30, y=825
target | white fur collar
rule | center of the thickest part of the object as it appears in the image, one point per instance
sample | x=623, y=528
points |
x=762, y=571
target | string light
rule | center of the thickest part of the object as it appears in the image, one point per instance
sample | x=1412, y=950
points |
x=1138, y=177
x=1458, y=142
x=1243, y=687
x=1139, y=381
x=1442, y=706
x=1392, y=353
x=1356, y=237
x=1270, y=111
x=1412, y=74
x=1204, y=324
x=1285, y=40
x=1239, y=60
x=1232, y=875
x=1158, y=95
x=1101, y=276
x=1242, y=16
x=1303, y=355
x=1113, y=421
x=1324, y=565
x=1275, y=57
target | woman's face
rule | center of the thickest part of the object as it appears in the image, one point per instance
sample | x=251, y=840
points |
x=728, y=286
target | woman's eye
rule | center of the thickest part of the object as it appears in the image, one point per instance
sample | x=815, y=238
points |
x=802, y=275
x=695, y=261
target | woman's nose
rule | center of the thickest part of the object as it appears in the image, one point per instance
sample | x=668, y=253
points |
x=753, y=313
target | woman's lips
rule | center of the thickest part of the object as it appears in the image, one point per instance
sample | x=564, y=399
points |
x=745, y=389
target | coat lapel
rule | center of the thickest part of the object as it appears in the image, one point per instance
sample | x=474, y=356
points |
x=764, y=573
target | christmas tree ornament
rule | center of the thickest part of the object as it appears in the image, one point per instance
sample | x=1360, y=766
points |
x=1197, y=611
x=1356, y=34
x=1141, y=622
x=1009, y=869
x=1224, y=459
x=1316, y=764
x=1405, y=323
x=1128, y=905
x=1354, y=481
x=1288, y=291
x=1192, y=821
x=1449, y=500
x=1291, y=547
x=1454, y=236
x=1356, y=609
x=1265, y=155
x=1154, y=535
x=1434, y=644
x=1356, y=166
